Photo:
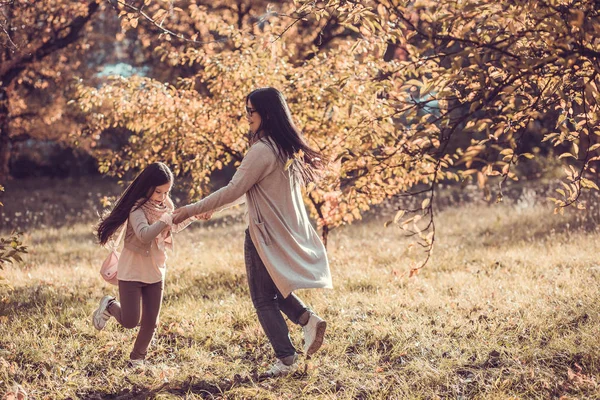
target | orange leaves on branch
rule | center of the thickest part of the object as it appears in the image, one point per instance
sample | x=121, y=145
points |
x=455, y=101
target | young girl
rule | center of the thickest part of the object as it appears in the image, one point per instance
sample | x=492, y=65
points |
x=147, y=207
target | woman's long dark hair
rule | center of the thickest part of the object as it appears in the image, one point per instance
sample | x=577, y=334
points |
x=142, y=187
x=276, y=123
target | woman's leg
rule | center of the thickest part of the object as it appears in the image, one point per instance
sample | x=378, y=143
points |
x=313, y=326
x=294, y=308
x=152, y=295
x=264, y=296
x=127, y=311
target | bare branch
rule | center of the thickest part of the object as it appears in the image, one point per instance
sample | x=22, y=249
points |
x=179, y=36
x=8, y=36
x=10, y=70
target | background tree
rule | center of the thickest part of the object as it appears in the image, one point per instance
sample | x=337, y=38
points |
x=40, y=42
x=196, y=124
x=477, y=85
x=502, y=74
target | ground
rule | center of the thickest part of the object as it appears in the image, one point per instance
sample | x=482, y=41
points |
x=507, y=307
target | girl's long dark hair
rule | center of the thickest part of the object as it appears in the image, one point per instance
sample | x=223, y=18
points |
x=276, y=122
x=141, y=188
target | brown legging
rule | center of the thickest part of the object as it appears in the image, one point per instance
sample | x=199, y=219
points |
x=127, y=312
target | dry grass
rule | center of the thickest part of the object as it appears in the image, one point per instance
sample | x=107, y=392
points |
x=507, y=308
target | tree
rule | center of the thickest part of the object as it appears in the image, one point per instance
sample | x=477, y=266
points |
x=11, y=249
x=48, y=45
x=34, y=37
x=499, y=72
x=198, y=133
x=476, y=80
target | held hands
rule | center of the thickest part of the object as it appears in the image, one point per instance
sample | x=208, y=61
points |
x=204, y=216
x=181, y=214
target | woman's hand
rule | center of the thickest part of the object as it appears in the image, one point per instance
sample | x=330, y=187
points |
x=204, y=217
x=180, y=215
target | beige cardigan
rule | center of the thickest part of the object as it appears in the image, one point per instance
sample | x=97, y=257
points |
x=141, y=260
x=279, y=226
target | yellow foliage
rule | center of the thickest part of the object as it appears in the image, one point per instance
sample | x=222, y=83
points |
x=492, y=72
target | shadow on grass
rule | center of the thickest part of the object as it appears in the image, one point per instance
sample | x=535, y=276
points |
x=44, y=298
x=529, y=229
x=203, y=388
x=210, y=286
x=475, y=378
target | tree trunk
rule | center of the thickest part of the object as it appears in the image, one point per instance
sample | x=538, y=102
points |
x=325, y=230
x=324, y=234
x=5, y=144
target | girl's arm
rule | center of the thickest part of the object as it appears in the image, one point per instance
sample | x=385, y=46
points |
x=144, y=231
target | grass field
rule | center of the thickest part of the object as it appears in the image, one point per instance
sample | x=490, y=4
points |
x=508, y=307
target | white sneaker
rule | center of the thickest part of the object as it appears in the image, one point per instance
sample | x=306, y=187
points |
x=280, y=369
x=136, y=363
x=101, y=315
x=314, y=332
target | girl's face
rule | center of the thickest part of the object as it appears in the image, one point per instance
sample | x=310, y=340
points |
x=161, y=192
x=252, y=117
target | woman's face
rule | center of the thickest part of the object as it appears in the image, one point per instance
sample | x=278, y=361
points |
x=252, y=117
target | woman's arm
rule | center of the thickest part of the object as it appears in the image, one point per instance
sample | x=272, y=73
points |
x=144, y=231
x=258, y=163
x=237, y=202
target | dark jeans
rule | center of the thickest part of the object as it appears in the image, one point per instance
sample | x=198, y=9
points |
x=269, y=303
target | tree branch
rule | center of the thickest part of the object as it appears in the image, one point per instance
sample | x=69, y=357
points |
x=10, y=70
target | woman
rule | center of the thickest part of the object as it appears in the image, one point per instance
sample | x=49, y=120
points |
x=282, y=251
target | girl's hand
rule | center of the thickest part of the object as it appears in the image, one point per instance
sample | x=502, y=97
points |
x=167, y=218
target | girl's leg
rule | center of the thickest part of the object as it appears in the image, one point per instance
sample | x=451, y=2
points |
x=127, y=311
x=264, y=295
x=151, y=300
